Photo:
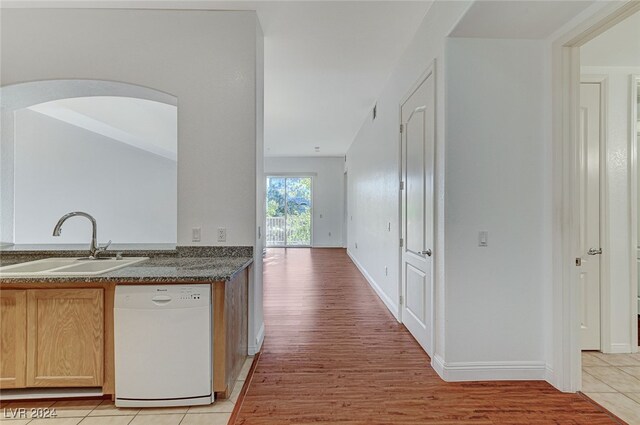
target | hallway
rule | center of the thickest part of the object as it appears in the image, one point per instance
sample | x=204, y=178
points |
x=334, y=354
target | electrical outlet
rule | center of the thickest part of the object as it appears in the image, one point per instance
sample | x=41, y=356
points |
x=222, y=234
x=196, y=234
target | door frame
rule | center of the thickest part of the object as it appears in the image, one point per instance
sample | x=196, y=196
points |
x=313, y=202
x=633, y=204
x=345, y=209
x=430, y=71
x=565, y=79
x=605, y=258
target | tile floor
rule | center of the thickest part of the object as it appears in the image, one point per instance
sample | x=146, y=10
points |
x=104, y=412
x=613, y=381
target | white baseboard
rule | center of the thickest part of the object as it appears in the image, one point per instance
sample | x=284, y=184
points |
x=618, y=348
x=391, y=305
x=327, y=246
x=438, y=365
x=491, y=371
x=254, y=348
x=549, y=375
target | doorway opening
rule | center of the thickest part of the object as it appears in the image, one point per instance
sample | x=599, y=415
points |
x=289, y=211
x=607, y=154
x=635, y=191
x=596, y=192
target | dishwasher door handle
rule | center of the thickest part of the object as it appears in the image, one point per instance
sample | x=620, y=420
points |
x=161, y=299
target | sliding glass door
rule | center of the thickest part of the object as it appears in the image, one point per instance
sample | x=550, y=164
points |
x=288, y=211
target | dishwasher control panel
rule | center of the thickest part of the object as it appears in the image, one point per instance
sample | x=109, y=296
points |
x=191, y=293
x=162, y=296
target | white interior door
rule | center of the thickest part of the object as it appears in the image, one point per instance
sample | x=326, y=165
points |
x=590, y=214
x=418, y=124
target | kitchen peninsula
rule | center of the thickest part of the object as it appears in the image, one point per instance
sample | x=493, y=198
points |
x=58, y=331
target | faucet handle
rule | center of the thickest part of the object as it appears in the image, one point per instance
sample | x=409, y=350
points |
x=103, y=248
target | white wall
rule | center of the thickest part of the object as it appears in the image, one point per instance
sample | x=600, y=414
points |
x=60, y=168
x=497, y=179
x=373, y=168
x=618, y=81
x=328, y=197
x=619, y=46
x=206, y=59
x=6, y=176
x=492, y=173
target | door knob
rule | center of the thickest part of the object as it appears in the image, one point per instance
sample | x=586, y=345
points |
x=427, y=253
x=594, y=251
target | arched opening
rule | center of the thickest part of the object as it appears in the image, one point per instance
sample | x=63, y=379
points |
x=106, y=148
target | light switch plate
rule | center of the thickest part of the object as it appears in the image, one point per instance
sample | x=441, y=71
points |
x=483, y=238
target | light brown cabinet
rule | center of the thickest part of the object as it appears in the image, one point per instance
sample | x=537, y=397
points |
x=13, y=338
x=230, y=331
x=64, y=341
x=61, y=334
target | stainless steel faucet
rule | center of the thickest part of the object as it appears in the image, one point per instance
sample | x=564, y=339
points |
x=94, y=249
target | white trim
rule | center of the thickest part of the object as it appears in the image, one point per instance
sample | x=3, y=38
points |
x=490, y=371
x=321, y=246
x=619, y=348
x=565, y=84
x=254, y=348
x=301, y=174
x=393, y=307
x=345, y=208
x=429, y=72
x=633, y=209
x=437, y=363
x=549, y=374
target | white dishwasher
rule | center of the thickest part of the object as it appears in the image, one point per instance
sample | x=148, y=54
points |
x=162, y=336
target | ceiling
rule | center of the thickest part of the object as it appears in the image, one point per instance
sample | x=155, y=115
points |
x=618, y=46
x=143, y=124
x=517, y=19
x=325, y=65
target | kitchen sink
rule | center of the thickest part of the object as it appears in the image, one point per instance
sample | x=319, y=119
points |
x=68, y=266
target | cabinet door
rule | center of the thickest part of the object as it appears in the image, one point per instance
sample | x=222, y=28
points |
x=65, y=337
x=13, y=338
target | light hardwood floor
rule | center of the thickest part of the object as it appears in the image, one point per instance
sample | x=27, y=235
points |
x=333, y=354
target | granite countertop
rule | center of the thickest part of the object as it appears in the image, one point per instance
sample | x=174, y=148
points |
x=182, y=265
